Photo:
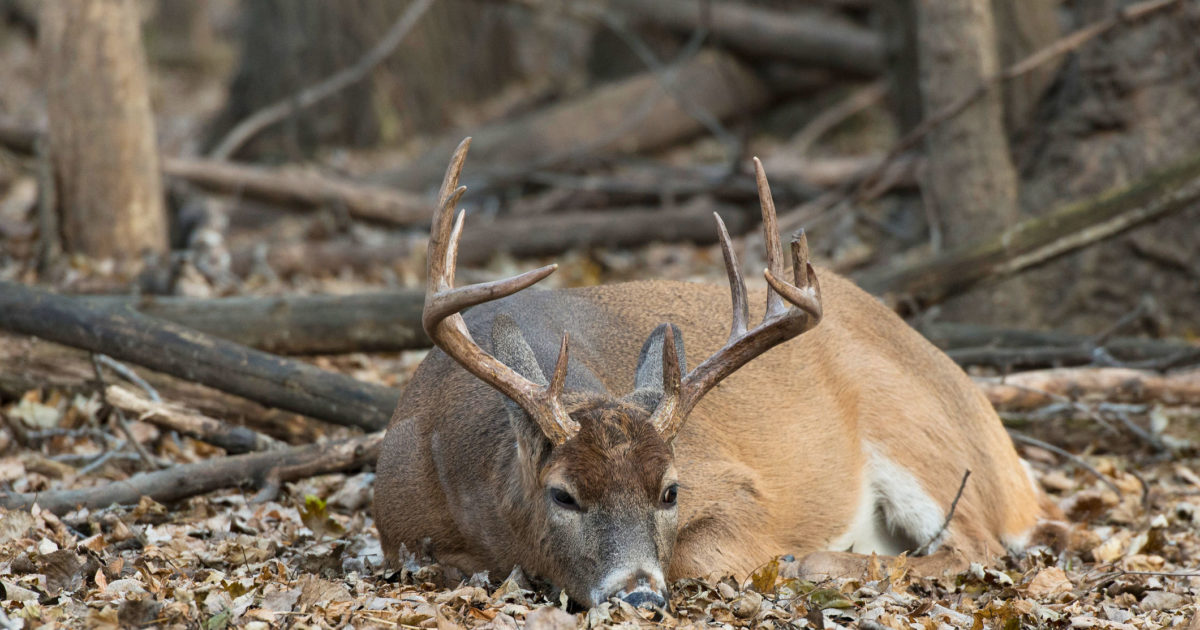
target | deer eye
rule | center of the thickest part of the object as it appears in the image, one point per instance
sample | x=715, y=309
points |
x=670, y=495
x=564, y=499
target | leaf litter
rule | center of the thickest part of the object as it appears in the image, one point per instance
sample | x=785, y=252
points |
x=309, y=557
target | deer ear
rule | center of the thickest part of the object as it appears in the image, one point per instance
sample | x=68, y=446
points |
x=510, y=347
x=649, y=376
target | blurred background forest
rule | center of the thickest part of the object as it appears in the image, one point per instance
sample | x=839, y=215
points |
x=1020, y=179
x=604, y=131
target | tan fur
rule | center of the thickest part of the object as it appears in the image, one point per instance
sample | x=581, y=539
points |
x=770, y=462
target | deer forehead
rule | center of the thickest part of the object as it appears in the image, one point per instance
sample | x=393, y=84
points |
x=616, y=454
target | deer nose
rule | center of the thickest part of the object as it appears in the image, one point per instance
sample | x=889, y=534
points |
x=643, y=596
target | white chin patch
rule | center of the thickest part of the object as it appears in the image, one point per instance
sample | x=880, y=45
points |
x=614, y=583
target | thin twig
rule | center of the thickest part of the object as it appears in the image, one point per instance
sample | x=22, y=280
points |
x=128, y=374
x=288, y=106
x=118, y=417
x=101, y=460
x=928, y=544
x=1031, y=441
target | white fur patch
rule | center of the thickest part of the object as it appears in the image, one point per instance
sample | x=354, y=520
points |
x=611, y=585
x=894, y=511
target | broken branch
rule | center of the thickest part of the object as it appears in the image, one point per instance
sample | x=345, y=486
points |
x=1030, y=390
x=167, y=347
x=233, y=439
x=307, y=190
x=186, y=480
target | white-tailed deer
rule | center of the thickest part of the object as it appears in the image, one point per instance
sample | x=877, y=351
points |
x=582, y=449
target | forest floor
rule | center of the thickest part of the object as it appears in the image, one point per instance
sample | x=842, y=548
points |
x=309, y=556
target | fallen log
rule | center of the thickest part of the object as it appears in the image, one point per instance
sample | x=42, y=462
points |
x=294, y=324
x=323, y=257
x=302, y=190
x=516, y=236
x=391, y=322
x=1038, y=240
x=187, y=480
x=1030, y=390
x=631, y=227
x=179, y=418
x=127, y=335
x=30, y=364
x=974, y=345
x=629, y=116
x=806, y=38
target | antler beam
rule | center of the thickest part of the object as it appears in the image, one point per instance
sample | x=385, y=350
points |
x=793, y=308
x=443, y=321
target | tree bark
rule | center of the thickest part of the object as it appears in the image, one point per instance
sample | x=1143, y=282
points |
x=102, y=142
x=1022, y=28
x=187, y=480
x=295, y=324
x=971, y=182
x=130, y=336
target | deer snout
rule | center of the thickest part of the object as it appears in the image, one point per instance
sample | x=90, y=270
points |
x=643, y=595
x=639, y=588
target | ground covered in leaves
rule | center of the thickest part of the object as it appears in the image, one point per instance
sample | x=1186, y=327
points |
x=309, y=555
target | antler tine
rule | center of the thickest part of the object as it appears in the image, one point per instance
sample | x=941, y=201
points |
x=453, y=171
x=667, y=419
x=443, y=300
x=780, y=323
x=775, y=304
x=444, y=324
x=737, y=286
x=805, y=293
x=440, y=233
x=554, y=389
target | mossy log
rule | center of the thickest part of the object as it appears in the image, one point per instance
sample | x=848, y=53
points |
x=1038, y=240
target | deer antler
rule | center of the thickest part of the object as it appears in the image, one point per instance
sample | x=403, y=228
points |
x=780, y=322
x=444, y=323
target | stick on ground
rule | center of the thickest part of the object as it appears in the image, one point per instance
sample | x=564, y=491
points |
x=234, y=439
x=186, y=480
x=159, y=345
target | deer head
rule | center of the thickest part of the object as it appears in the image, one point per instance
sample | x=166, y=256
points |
x=595, y=490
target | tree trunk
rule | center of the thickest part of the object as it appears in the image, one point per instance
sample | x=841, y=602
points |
x=102, y=142
x=970, y=180
x=1022, y=28
x=459, y=52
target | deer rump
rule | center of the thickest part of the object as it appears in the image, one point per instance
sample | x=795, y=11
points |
x=854, y=437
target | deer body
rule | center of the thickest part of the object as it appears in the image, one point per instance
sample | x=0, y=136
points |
x=613, y=467
x=776, y=460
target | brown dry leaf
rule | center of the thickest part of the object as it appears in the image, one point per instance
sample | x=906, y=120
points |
x=15, y=524
x=281, y=601
x=1049, y=582
x=763, y=580
x=550, y=618
x=315, y=591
